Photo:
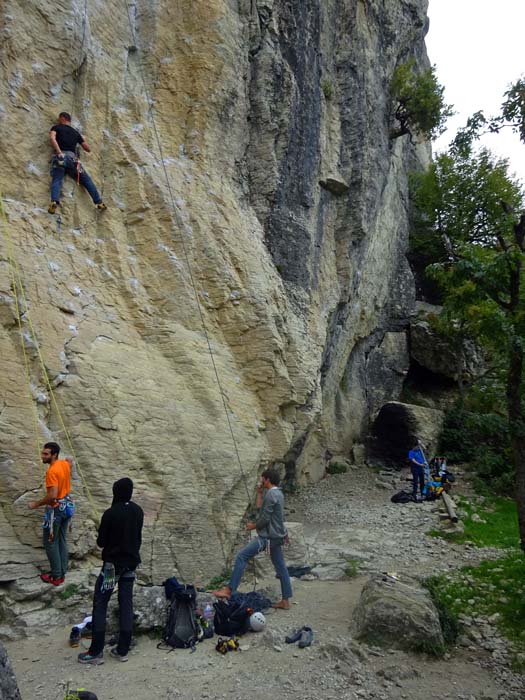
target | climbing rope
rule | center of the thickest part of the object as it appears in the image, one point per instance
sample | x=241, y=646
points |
x=20, y=289
x=151, y=115
x=12, y=268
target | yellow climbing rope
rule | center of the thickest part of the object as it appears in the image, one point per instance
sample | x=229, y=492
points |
x=18, y=289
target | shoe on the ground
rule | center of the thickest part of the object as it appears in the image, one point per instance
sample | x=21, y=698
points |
x=87, y=631
x=294, y=637
x=86, y=657
x=224, y=592
x=307, y=637
x=114, y=640
x=74, y=637
x=53, y=207
x=48, y=578
x=281, y=605
x=101, y=206
x=120, y=657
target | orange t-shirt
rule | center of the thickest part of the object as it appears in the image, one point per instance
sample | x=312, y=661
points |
x=59, y=474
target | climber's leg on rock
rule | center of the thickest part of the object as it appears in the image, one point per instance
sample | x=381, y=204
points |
x=57, y=177
x=88, y=183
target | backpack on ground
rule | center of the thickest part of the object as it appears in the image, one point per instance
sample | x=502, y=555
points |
x=402, y=497
x=182, y=630
x=231, y=617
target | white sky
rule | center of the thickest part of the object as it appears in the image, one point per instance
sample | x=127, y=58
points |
x=479, y=50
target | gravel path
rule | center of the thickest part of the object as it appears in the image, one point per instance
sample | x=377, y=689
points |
x=348, y=513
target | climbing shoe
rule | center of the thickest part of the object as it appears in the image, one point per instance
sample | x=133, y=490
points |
x=307, y=637
x=53, y=207
x=55, y=581
x=74, y=637
x=101, y=206
x=87, y=631
x=294, y=637
x=120, y=657
x=224, y=592
x=86, y=657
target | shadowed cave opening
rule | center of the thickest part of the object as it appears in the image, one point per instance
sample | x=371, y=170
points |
x=393, y=434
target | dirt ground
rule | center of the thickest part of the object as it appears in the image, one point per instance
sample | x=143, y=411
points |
x=335, y=666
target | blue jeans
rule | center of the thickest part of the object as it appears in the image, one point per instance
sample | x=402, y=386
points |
x=57, y=176
x=251, y=550
x=56, y=550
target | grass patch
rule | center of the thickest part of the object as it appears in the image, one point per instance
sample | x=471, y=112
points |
x=336, y=468
x=498, y=525
x=328, y=89
x=492, y=587
x=352, y=568
x=219, y=581
x=69, y=591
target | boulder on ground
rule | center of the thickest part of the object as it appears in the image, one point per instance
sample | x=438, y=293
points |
x=392, y=613
x=150, y=607
x=8, y=685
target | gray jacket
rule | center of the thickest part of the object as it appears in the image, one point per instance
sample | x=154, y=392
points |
x=270, y=521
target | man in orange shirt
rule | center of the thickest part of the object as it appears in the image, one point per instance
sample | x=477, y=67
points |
x=58, y=486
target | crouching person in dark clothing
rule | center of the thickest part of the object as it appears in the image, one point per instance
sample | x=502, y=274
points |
x=120, y=536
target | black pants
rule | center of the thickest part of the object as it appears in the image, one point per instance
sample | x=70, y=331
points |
x=100, y=606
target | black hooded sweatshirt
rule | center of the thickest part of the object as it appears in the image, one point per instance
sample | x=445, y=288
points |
x=120, y=531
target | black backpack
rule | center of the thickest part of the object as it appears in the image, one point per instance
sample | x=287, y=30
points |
x=231, y=618
x=182, y=630
x=402, y=497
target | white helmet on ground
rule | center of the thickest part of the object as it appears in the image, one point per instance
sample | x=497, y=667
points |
x=257, y=622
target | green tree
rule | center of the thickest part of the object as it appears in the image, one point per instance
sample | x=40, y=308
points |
x=418, y=102
x=512, y=116
x=470, y=204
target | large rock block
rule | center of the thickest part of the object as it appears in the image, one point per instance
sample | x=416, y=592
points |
x=8, y=685
x=402, y=615
x=456, y=359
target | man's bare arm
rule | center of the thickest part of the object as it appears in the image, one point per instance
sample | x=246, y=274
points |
x=85, y=146
x=53, y=139
x=48, y=500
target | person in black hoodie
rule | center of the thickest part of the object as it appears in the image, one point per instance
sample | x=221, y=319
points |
x=120, y=536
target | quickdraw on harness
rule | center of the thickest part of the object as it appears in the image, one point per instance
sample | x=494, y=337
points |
x=109, y=577
x=65, y=505
x=69, y=160
x=223, y=646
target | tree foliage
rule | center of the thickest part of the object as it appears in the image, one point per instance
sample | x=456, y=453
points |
x=471, y=210
x=419, y=103
x=512, y=116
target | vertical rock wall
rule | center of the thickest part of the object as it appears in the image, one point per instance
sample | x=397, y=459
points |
x=285, y=215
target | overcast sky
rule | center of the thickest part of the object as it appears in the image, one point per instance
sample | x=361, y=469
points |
x=479, y=50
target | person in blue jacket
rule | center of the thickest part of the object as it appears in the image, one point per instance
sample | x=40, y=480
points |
x=417, y=464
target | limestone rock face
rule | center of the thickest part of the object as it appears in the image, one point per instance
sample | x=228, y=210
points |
x=402, y=615
x=221, y=256
x=436, y=353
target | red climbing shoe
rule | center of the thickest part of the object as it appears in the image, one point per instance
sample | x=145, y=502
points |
x=48, y=578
